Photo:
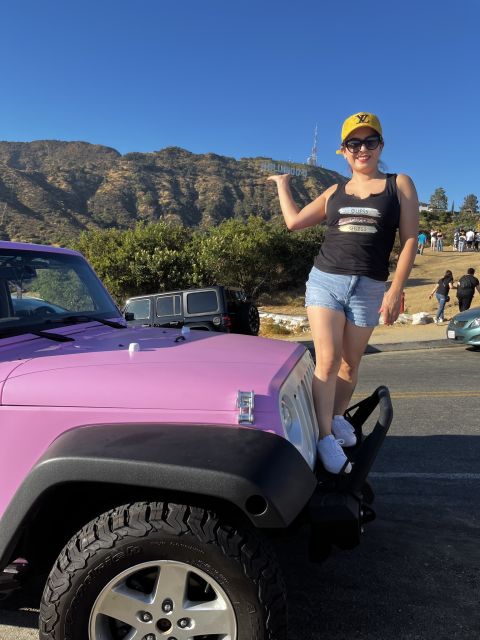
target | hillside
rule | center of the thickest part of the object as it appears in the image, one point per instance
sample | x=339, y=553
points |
x=427, y=270
x=51, y=190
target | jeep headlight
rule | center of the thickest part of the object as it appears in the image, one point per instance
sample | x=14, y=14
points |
x=291, y=421
x=286, y=416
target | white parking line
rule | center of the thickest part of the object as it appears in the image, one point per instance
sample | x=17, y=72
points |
x=425, y=476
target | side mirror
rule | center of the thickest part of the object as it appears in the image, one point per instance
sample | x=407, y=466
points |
x=129, y=316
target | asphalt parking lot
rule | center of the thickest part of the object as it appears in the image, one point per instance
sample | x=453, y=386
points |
x=416, y=575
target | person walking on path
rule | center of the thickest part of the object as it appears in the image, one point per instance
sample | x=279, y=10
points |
x=441, y=291
x=466, y=288
x=433, y=239
x=422, y=239
x=345, y=291
x=462, y=239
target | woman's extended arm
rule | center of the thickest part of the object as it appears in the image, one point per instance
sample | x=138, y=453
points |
x=408, y=229
x=310, y=215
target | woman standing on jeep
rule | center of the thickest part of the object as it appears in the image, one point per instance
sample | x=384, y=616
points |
x=345, y=291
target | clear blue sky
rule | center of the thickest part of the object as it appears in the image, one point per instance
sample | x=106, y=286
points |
x=250, y=78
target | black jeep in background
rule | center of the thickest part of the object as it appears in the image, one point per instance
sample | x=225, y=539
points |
x=214, y=308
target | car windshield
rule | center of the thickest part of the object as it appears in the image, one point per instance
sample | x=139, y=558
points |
x=39, y=289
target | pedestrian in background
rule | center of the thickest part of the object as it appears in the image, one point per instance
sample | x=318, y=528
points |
x=433, y=239
x=441, y=291
x=439, y=240
x=456, y=234
x=477, y=241
x=422, y=239
x=466, y=288
x=470, y=236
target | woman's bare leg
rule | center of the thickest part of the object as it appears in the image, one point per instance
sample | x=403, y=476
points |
x=355, y=340
x=327, y=328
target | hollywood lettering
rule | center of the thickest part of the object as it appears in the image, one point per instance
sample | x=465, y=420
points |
x=275, y=168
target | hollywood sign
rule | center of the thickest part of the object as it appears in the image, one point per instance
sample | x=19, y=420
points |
x=275, y=168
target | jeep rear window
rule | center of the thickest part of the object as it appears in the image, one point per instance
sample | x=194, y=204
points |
x=236, y=294
x=202, y=302
x=168, y=306
x=139, y=308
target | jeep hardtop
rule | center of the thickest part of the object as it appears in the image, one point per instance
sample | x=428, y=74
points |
x=143, y=470
x=214, y=308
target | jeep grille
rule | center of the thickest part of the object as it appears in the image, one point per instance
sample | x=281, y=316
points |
x=298, y=389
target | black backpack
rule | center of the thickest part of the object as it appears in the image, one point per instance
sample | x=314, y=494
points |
x=465, y=282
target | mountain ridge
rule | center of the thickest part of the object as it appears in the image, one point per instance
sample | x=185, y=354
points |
x=51, y=190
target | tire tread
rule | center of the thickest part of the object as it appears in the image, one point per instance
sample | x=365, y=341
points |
x=258, y=562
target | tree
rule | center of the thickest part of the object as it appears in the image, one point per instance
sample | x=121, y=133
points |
x=470, y=204
x=146, y=259
x=236, y=253
x=439, y=200
x=254, y=254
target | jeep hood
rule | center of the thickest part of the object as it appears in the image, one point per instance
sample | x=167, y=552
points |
x=101, y=368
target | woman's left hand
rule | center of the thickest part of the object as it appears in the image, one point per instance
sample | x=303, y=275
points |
x=390, y=309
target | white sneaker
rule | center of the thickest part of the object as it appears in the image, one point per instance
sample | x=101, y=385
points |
x=343, y=430
x=332, y=456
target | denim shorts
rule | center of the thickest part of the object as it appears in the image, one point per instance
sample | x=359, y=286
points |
x=358, y=297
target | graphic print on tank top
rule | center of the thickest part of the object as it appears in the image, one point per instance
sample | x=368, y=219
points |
x=358, y=219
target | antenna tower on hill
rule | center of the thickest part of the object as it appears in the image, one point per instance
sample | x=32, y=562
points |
x=312, y=158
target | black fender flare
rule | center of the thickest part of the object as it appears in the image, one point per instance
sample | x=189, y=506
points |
x=262, y=474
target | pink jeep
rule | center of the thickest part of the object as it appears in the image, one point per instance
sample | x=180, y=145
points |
x=155, y=463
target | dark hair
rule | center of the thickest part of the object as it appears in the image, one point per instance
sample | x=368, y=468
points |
x=448, y=273
x=470, y=271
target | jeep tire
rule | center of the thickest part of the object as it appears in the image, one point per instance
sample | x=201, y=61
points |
x=249, y=320
x=168, y=571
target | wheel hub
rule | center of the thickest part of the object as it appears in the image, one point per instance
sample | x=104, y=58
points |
x=153, y=599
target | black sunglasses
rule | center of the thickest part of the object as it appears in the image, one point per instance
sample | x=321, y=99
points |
x=355, y=144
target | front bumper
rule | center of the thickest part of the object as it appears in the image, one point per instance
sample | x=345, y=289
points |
x=341, y=505
x=460, y=335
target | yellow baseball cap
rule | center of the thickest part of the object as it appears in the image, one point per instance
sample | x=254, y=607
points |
x=360, y=119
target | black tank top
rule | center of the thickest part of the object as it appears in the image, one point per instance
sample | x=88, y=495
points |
x=360, y=232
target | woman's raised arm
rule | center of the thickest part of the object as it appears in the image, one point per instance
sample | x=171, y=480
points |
x=310, y=215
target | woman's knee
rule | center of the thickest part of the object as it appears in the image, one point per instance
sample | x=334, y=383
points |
x=349, y=370
x=327, y=367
